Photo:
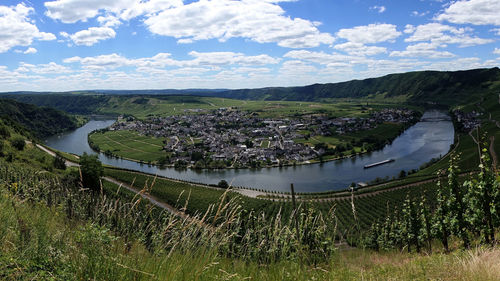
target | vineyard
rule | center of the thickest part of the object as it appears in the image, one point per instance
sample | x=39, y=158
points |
x=368, y=208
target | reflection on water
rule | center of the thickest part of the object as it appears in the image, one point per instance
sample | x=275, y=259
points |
x=417, y=145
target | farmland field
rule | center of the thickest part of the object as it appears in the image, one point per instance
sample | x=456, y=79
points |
x=128, y=144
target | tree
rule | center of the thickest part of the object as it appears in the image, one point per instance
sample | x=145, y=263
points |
x=18, y=143
x=4, y=132
x=223, y=184
x=92, y=171
x=59, y=162
x=402, y=174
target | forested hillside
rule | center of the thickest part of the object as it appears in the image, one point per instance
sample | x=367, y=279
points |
x=84, y=103
x=422, y=86
x=40, y=122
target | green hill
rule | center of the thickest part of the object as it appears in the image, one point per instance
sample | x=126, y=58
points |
x=443, y=87
x=422, y=86
x=40, y=121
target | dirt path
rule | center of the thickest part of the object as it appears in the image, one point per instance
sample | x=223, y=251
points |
x=155, y=201
x=67, y=162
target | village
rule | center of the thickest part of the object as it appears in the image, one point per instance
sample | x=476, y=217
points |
x=228, y=137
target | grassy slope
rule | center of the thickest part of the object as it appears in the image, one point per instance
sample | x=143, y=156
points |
x=59, y=249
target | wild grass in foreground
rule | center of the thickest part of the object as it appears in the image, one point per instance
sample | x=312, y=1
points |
x=40, y=243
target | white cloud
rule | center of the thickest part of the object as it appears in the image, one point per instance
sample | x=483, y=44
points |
x=91, y=36
x=421, y=14
x=263, y=21
x=373, y=33
x=477, y=12
x=422, y=50
x=49, y=68
x=259, y=21
x=71, y=11
x=100, y=62
x=496, y=51
x=322, y=57
x=162, y=60
x=358, y=49
x=30, y=50
x=497, y=30
x=379, y=9
x=444, y=34
x=18, y=29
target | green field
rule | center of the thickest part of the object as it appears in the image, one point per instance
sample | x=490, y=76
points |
x=129, y=145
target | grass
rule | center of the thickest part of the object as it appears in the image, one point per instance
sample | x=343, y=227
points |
x=62, y=249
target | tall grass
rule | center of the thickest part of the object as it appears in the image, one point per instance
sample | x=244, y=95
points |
x=225, y=228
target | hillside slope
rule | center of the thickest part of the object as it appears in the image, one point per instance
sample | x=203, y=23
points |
x=40, y=121
x=442, y=87
x=423, y=86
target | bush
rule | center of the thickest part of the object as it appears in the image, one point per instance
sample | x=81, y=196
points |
x=223, y=184
x=59, y=162
x=92, y=171
x=4, y=132
x=18, y=143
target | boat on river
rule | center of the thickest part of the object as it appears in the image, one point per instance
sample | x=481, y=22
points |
x=379, y=163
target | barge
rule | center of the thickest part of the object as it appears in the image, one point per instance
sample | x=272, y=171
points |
x=379, y=163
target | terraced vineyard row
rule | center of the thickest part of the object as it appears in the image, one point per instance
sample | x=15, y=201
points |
x=368, y=209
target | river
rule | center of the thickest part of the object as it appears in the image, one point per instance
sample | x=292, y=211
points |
x=427, y=139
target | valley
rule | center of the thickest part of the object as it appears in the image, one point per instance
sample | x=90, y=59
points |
x=139, y=199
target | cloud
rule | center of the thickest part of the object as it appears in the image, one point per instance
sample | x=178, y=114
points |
x=322, y=57
x=49, y=68
x=71, y=11
x=262, y=21
x=373, y=33
x=379, y=9
x=444, y=34
x=421, y=14
x=18, y=29
x=259, y=21
x=477, y=12
x=358, y=49
x=30, y=50
x=91, y=36
x=496, y=51
x=422, y=50
x=162, y=60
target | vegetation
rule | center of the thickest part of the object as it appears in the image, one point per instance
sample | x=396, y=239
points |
x=39, y=122
x=469, y=212
x=91, y=171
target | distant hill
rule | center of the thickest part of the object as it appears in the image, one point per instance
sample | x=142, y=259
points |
x=40, y=121
x=422, y=86
x=443, y=87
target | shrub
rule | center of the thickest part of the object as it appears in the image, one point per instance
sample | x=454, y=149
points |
x=223, y=184
x=18, y=143
x=92, y=171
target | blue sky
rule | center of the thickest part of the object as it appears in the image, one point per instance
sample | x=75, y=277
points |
x=63, y=45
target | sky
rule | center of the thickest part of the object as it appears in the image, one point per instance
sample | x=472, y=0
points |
x=69, y=45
